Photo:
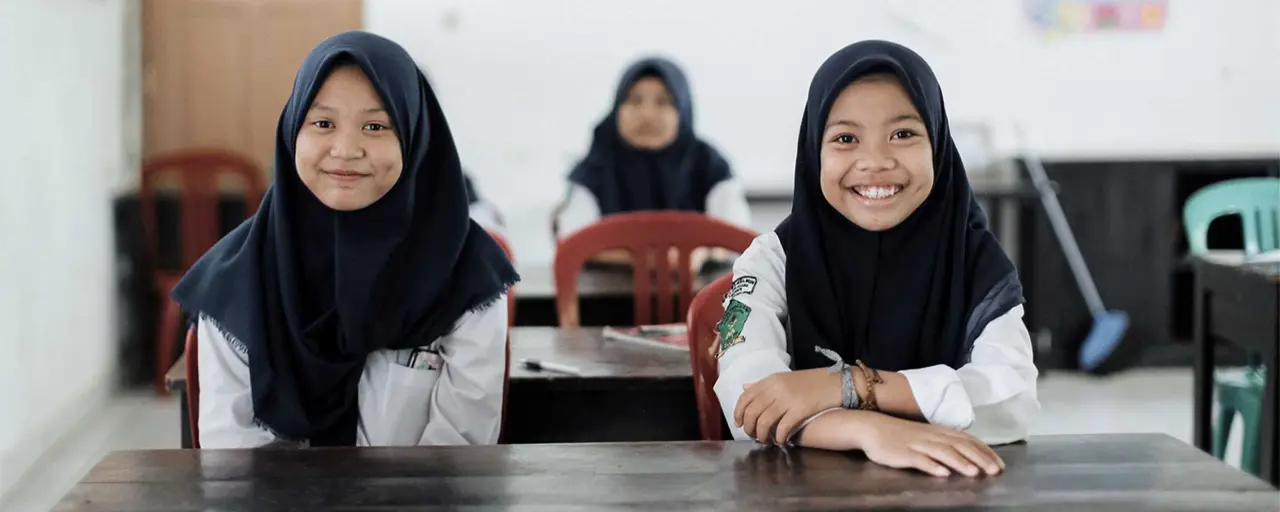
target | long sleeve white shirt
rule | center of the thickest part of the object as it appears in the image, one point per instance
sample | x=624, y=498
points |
x=456, y=399
x=993, y=396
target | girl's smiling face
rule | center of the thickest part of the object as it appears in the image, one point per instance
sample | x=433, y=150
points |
x=347, y=152
x=876, y=157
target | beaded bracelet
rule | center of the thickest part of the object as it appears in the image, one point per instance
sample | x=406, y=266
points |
x=872, y=377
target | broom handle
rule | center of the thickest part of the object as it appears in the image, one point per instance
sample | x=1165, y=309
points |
x=1058, y=220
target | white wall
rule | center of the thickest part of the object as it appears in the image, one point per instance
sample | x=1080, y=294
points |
x=524, y=82
x=61, y=152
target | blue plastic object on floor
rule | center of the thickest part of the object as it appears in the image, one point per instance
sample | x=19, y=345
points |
x=1108, y=329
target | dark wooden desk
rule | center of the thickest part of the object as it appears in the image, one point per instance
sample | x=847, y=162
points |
x=1239, y=303
x=604, y=294
x=626, y=392
x=1095, y=473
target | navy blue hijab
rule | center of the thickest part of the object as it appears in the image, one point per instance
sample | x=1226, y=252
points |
x=311, y=291
x=914, y=295
x=624, y=178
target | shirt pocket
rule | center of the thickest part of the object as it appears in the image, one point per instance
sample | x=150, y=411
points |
x=405, y=402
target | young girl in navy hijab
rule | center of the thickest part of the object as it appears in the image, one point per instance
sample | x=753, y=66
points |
x=882, y=315
x=360, y=305
x=645, y=156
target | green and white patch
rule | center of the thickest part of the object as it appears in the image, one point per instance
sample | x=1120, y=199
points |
x=731, y=325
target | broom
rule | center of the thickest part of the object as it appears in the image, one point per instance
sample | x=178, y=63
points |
x=1109, y=326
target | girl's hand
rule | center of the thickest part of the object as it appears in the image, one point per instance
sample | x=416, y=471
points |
x=773, y=407
x=936, y=450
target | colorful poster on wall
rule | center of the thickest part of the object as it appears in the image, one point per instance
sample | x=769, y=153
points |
x=1091, y=16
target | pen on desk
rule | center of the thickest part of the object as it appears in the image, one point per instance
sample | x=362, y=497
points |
x=536, y=365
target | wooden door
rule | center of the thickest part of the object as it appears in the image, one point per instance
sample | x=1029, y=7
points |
x=216, y=73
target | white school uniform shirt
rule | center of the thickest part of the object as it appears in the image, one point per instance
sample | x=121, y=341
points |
x=992, y=397
x=456, y=400
x=726, y=201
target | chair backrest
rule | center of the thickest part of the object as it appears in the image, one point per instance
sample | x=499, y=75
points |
x=199, y=173
x=648, y=236
x=511, y=321
x=1255, y=200
x=511, y=292
x=704, y=314
x=193, y=387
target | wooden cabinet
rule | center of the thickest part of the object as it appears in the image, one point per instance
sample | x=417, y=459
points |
x=216, y=73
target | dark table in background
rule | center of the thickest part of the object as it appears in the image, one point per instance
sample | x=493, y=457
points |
x=604, y=294
x=625, y=393
x=1094, y=473
x=1238, y=303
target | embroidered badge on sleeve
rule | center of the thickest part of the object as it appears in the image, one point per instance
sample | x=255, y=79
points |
x=731, y=324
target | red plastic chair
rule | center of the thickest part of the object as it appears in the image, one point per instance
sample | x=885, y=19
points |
x=704, y=313
x=511, y=292
x=193, y=387
x=511, y=321
x=199, y=173
x=648, y=236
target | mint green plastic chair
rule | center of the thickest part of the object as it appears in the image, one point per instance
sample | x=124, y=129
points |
x=1257, y=202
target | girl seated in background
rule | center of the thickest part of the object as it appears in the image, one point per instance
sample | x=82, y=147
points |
x=882, y=315
x=360, y=305
x=645, y=156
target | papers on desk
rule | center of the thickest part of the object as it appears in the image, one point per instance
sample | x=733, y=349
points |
x=666, y=336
